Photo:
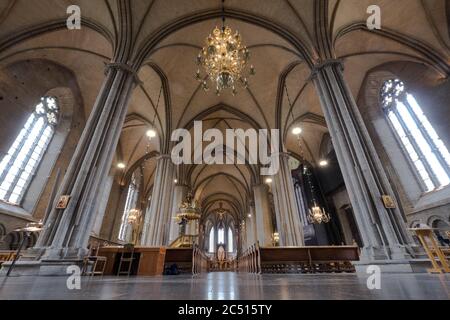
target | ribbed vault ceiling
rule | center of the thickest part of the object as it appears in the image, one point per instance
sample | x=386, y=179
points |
x=285, y=37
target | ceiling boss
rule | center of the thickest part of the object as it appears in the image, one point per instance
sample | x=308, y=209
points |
x=225, y=60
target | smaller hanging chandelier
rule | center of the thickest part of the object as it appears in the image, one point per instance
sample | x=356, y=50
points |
x=318, y=215
x=225, y=60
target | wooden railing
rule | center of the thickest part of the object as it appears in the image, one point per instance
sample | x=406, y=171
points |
x=186, y=241
x=200, y=261
x=6, y=256
x=333, y=259
x=249, y=261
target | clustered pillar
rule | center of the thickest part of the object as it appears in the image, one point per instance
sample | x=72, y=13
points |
x=160, y=214
x=66, y=233
x=383, y=230
x=288, y=217
x=263, y=216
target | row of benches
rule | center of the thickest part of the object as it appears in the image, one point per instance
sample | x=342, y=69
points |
x=334, y=259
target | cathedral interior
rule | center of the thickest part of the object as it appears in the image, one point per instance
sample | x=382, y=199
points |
x=348, y=99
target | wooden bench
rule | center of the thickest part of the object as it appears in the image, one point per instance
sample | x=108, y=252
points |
x=333, y=259
x=201, y=262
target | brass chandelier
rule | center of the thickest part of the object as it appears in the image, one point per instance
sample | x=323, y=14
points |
x=225, y=60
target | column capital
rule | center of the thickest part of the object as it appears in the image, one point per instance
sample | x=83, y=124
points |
x=123, y=67
x=323, y=64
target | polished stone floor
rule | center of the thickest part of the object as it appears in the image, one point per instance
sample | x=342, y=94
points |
x=230, y=286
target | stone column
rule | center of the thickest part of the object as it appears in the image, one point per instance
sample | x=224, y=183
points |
x=289, y=225
x=159, y=216
x=383, y=230
x=263, y=216
x=103, y=204
x=179, y=193
x=252, y=220
x=66, y=233
x=249, y=235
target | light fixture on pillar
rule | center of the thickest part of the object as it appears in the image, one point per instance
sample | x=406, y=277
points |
x=151, y=134
x=225, y=60
x=269, y=180
x=134, y=219
x=121, y=165
x=323, y=163
x=134, y=216
x=297, y=131
x=275, y=239
x=249, y=215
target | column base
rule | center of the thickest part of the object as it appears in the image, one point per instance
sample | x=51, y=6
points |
x=394, y=266
x=40, y=268
x=398, y=253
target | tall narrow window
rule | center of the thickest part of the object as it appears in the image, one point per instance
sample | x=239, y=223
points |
x=212, y=244
x=130, y=203
x=221, y=236
x=20, y=164
x=230, y=240
x=425, y=149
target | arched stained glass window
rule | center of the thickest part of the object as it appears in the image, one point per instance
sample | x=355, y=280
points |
x=20, y=164
x=221, y=236
x=230, y=240
x=212, y=244
x=425, y=149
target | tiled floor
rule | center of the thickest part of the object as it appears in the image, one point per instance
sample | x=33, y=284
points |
x=230, y=286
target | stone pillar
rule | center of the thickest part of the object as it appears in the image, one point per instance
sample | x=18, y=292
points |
x=263, y=216
x=252, y=226
x=289, y=225
x=249, y=235
x=179, y=193
x=383, y=230
x=66, y=233
x=159, y=216
x=102, y=207
x=252, y=220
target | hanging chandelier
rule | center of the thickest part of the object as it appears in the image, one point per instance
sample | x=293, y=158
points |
x=318, y=215
x=225, y=60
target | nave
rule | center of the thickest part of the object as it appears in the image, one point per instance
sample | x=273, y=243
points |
x=286, y=142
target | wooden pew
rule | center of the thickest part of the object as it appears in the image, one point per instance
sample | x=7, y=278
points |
x=332, y=259
x=284, y=260
x=201, y=262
